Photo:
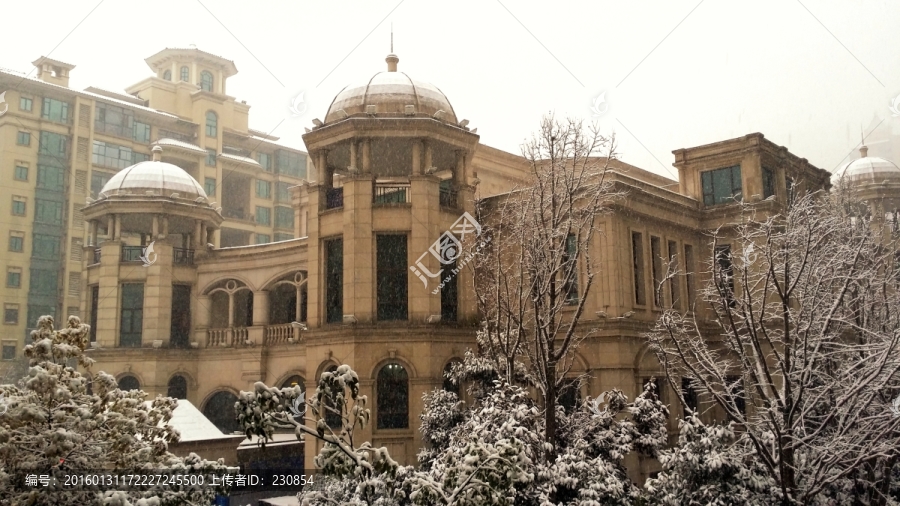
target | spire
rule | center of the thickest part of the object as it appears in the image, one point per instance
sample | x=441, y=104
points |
x=863, y=149
x=392, y=58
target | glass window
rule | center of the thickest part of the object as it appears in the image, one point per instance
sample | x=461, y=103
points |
x=206, y=81
x=450, y=295
x=334, y=280
x=284, y=217
x=265, y=161
x=674, y=281
x=569, y=395
x=167, y=75
x=114, y=120
x=16, y=241
x=263, y=239
x=51, y=178
x=23, y=139
x=45, y=246
x=689, y=393
x=209, y=186
x=44, y=282
x=25, y=104
x=9, y=352
x=689, y=274
x=279, y=236
x=725, y=273
x=18, y=206
x=111, y=155
x=177, y=388
x=212, y=122
x=448, y=384
x=220, y=411
x=637, y=256
x=55, y=110
x=768, y=177
x=98, y=181
x=211, y=157
x=721, y=186
x=393, y=397
x=11, y=314
x=48, y=211
x=657, y=270
x=185, y=74
x=141, y=132
x=128, y=382
x=54, y=145
x=132, y=315
x=139, y=157
x=282, y=194
x=263, y=215
x=289, y=163
x=21, y=173
x=13, y=277
x=263, y=189
x=391, y=282
x=570, y=266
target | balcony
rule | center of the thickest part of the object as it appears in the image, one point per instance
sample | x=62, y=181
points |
x=233, y=337
x=236, y=337
x=448, y=197
x=183, y=256
x=334, y=198
x=391, y=194
x=132, y=253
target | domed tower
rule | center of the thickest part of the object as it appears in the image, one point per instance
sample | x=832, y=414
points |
x=140, y=273
x=393, y=171
x=873, y=181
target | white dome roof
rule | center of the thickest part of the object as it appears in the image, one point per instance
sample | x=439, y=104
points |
x=868, y=169
x=161, y=177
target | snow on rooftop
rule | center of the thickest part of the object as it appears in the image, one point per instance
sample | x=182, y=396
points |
x=192, y=424
x=238, y=158
x=181, y=144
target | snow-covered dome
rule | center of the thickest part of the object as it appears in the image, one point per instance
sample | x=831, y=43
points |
x=867, y=170
x=161, y=177
x=390, y=93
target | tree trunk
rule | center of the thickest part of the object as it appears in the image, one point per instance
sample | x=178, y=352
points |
x=550, y=412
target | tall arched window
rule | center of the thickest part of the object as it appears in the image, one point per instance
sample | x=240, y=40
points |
x=220, y=411
x=129, y=382
x=185, y=74
x=177, y=387
x=332, y=419
x=300, y=406
x=167, y=75
x=206, y=81
x=212, y=124
x=393, y=397
x=448, y=384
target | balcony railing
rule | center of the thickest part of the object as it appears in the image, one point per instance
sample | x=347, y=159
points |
x=391, y=194
x=334, y=198
x=184, y=256
x=132, y=253
x=96, y=253
x=448, y=197
x=233, y=337
x=279, y=334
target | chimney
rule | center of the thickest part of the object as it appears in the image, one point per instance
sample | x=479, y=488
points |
x=53, y=71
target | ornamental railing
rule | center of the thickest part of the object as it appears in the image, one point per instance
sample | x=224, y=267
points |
x=391, y=194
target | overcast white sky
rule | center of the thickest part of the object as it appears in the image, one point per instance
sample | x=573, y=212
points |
x=676, y=73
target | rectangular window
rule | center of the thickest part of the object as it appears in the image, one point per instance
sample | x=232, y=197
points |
x=721, y=186
x=44, y=282
x=282, y=194
x=674, y=286
x=51, y=178
x=16, y=241
x=25, y=104
x=111, y=155
x=13, y=277
x=98, y=181
x=263, y=239
x=211, y=157
x=95, y=305
x=570, y=269
x=291, y=164
x=21, y=173
x=9, y=352
x=283, y=237
x=45, y=246
x=18, y=206
x=263, y=189
x=55, y=110
x=657, y=271
x=11, y=314
x=141, y=132
x=768, y=178
x=139, y=157
x=725, y=273
x=48, y=211
x=263, y=215
x=55, y=145
x=23, y=139
x=114, y=120
x=450, y=293
x=637, y=256
x=689, y=275
x=334, y=280
x=209, y=186
x=132, y=315
x=265, y=161
x=391, y=272
x=689, y=393
x=284, y=217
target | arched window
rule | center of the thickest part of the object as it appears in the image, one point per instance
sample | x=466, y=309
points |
x=332, y=419
x=206, y=81
x=220, y=411
x=212, y=124
x=448, y=385
x=393, y=397
x=185, y=74
x=570, y=395
x=177, y=387
x=300, y=407
x=129, y=382
x=167, y=75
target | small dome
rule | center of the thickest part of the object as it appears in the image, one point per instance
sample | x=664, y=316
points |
x=390, y=92
x=867, y=169
x=161, y=177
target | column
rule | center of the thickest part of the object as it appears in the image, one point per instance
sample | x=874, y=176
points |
x=165, y=226
x=92, y=233
x=198, y=235
x=111, y=227
x=230, y=310
x=260, y=308
x=352, y=154
x=416, y=157
x=204, y=308
x=428, y=153
x=117, y=229
x=155, y=228
x=460, y=167
x=367, y=156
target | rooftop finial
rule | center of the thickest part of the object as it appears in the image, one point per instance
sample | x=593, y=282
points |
x=863, y=149
x=392, y=58
x=157, y=153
